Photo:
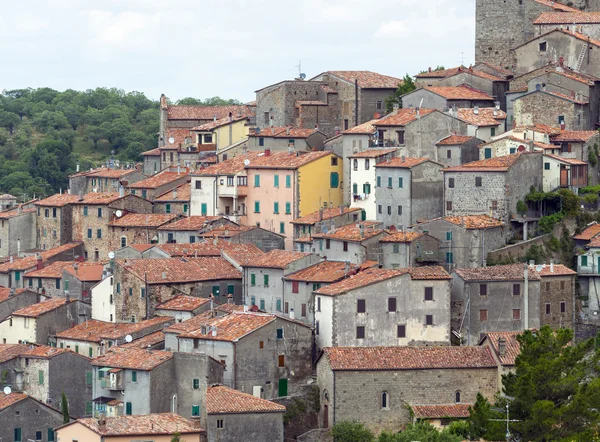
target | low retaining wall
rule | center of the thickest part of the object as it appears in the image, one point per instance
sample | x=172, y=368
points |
x=517, y=250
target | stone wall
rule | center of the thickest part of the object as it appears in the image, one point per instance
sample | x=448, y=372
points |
x=558, y=293
x=516, y=251
x=543, y=108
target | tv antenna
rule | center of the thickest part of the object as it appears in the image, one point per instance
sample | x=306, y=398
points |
x=301, y=75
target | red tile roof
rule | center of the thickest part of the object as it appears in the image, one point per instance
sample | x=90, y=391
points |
x=408, y=358
x=277, y=259
x=565, y=160
x=182, y=112
x=93, y=330
x=210, y=126
x=581, y=136
x=454, y=140
x=147, y=341
x=132, y=358
x=373, y=276
x=285, y=160
x=367, y=79
x=180, y=270
x=474, y=221
x=160, y=179
x=231, y=327
x=374, y=153
x=445, y=73
x=404, y=162
x=325, y=271
x=325, y=214
x=30, y=261
x=143, y=220
x=484, y=117
x=5, y=293
x=46, y=352
x=588, y=233
x=152, y=153
x=181, y=193
x=510, y=272
x=86, y=271
x=230, y=166
x=402, y=117
x=512, y=346
x=105, y=172
x=367, y=128
x=401, y=237
x=183, y=303
x=462, y=92
x=7, y=214
x=189, y=223
x=221, y=399
x=441, y=411
x=556, y=5
x=164, y=424
x=286, y=131
x=495, y=164
x=53, y=270
x=226, y=231
x=353, y=232
x=6, y=400
x=41, y=308
x=11, y=351
x=567, y=18
x=556, y=270
x=58, y=200
x=101, y=198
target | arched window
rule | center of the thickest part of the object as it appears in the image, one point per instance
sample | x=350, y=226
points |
x=457, y=397
x=385, y=400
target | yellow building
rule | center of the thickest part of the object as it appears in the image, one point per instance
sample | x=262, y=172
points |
x=221, y=135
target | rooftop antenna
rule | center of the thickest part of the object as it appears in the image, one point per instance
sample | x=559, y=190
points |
x=301, y=75
x=462, y=58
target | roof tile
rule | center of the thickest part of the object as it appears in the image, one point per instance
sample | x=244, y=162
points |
x=181, y=193
x=441, y=411
x=180, y=270
x=510, y=272
x=324, y=214
x=402, y=117
x=368, y=80
x=512, y=347
x=495, y=164
x=353, y=232
x=277, y=259
x=462, y=92
x=41, y=308
x=142, y=425
x=485, y=116
x=221, y=399
x=374, y=153
x=93, y=330
x=160, y=179
x=567, y=18
x=143, y=220
x=286, y=160
x=183, y=303
x=230, y=327
x=454, y=140
x=132, y=358
x=325, y=271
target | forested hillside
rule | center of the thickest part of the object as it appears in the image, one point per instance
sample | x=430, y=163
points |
x=44, y=133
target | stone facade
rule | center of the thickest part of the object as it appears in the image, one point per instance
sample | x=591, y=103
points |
x=457, y=154
x=557, y=300
x=266, y=427
x=54, y=226
x=18, y=232
x=547, y=109
x=420, y=251
x=30, y=417
x=16, y=302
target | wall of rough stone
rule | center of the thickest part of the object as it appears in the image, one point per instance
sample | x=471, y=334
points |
x=542, y=108
x=555, y=290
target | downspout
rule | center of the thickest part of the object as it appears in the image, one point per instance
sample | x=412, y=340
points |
x=234, y=386
x=356, y=102
x=526, y=297
x=216, y=187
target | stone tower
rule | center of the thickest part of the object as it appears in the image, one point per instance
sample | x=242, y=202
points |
x=503, y=24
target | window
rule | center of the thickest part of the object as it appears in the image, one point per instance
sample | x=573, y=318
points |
x=360, y=332
x=304, y=310
x=51, y=431
x=317, y=327
x=512, y=150
x=252, y=279
x=494, y=205
x=167, y=208
x=99, y=233
x=316, y=286
x=448, y=236
x=487, y=153
x=379, y=208
x=196, y=384
x=428, y=293
x=389, y=210
x=334, y=180
x=195, y=410
x=57, y=283
x=318, y=304
x=384, y=400
x=204, y=209
x=400, y=137
x=41, y=376
x=276, y=181
x=134, y=376
x=261, y=344
x=288, y=181
x=390, y=179
x=563, y=307
x=89, y=233
x=294, y=286
x=483, y=315
x=279, y=333
x=379, y=105
x=367, y=188
x=230, y=289
x=516, y=289
x=334, y=161
x=354, y=188
x=543, y=46
x=457, y=397
x=17, y=435
x=275, y=207
x=198, y=184
x=493, y=132
x=482, y=289
x=327, y=243
x=85, y=210
x=428, y=319
x=449, y=154
x=355, y=164
x=128, y=408
x=130, y=291
x=256, y=180
x=345, y=246
x=547, y=308
x=252, y=300
x=278, y=305
x=144, y=193
x=396, y=248
x=401, y=331
x=288, y=208
x=546, y=166
x=399, y=210
x=477, y=181
x=392, y=304
x=219, y=423
x=76, y=351
x=47, y=213
x=256, y=206
x=281, y=361
x=516, y=314
x=584, y=260
x=91, y=355
x=367, y=164
x=261, y=141
x=54, y=212
x=361, y=306
x=378, y=182
x=216, y=290
x=400, y=182
x=99, y=212
x=449, y=206
x=266, y=280
x=562, y=285
x=118, y=287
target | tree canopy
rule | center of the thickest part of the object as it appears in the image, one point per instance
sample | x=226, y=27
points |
x=407, y=85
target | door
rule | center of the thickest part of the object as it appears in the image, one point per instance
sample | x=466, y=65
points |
x=326, y=416
x=564, y=177
x=283, y=387
x=598, y=264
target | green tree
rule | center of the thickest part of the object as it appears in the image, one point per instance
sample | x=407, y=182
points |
x=176, y=437
x=407, y=85
x=351, y=432
x=64, y=407
x=214, y=101
x=422, y=432
x=9, y=120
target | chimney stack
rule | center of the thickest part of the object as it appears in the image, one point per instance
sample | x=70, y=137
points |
x=11, y=292
x=101, y=422
x=121, y=191
x=267, y=152
x=174, y=194
x=341, y=210
x=551, y=266
x=502, y=347
x=195, y=421
x=39, y=262
x=346, y=268
x=320, y=215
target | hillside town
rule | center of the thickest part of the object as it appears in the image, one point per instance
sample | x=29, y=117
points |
x=330, y=252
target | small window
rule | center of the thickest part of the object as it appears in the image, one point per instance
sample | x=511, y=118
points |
x=318, y=304
x=543, y=46
x=547, y=308
x=451, y=183
x=279, y=333
x=379, y=105
x=563, y=307
x=448, y=206
x=399, y=210
x=384, y=400
x=281, y=361
x=390, y=182
x=360, y=332
x=196, y=382
x=355, y=164
x=477, y=181
x=516, y=289
x=134, y=376
x=367, y=164
x=482, y=289
x=361, y=306
x=261, y=344
x=428, y=293
x=198, y=184
x=483, y=315
x=252, y=279
x=380, y=208
x=378, y=184
x=392, y=304
x=562, y=285
x=516, y=313
x=327, y=243
x=400, y=183
x=401, y=331
x=195, y=410
x=219, y=423
x=449, y=236
x=295, y=286
x=428, y=319
x=546, y=166
x=494, y=205
x=266, y=280
x=345, y=246
x=449, y=154
x=334, y=161
x=457, y=397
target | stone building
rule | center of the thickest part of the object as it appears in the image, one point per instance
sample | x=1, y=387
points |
x=264, y=355
x=586, y=23
x=136, y=228
x=104, y=179
x=553, y=109
x=385, y=307
x=233, y=415
x=402, y=249
x=446, y=97
x=12, y=299
x=18, y=229
x=286, y=138
x=153, y=381
x=482, y=122
x=224, y=134
x=492, y=186
x=48, y=279
x=494, y=299
x=509, y=144
x=407, y=190
x=561, y=172
x=79, y=278
x=314, y=222
x=168, y=179
x=466, y=240
x=557, y=296
x=377, y=386
x=455, y=150
x=505, y=348
x=578, y=145
x=175, y=201
x=186, y=230
x=25, y=418
x=142, y=284
x=183, y=307
x=264, y=239
x=54, y=220
x=417, y=131
x=355, y=243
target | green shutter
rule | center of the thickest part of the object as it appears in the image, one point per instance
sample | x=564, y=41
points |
x=167, y=208
x=288, y=181
x=134, y=376
x=230, y=289
x=252, y=300
x=288, y=208
x=378, y=181
x=278, y=305
x=448, y=236
x=276, y=181
x=216, y=290
x=203, y=209
x=41, y=377
x=266, y=280
x=546, y=166
x=196, y=384
x=390, y=182
x=143, y=194
x=400, y=182
x=449, y=258
x=282, y=227
x=355, y=188
x=118, y=287
x=256, y=180
x=128, y=408
x=17, y=435
x=276, y=207
x=17, y=275
x=334, y=180
x=488, y=152
x=262, y=304
x=185, y=208
x=85, y=211
x=252, y=279
x=195, y=410
x=99, y=233
x=283, y=387
x=77, y=349
x=256, y=206
x=584, y=260
x=51, y=431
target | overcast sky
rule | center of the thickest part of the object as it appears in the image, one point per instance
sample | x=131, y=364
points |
x=228, y=48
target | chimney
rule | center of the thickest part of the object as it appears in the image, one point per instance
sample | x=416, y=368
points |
x=429, y=70
x=11, y=292
x=476, y=110
x=195, y=421
x=214, y=117
x=403, y=159
x=18, y=248
x=361, y=229
x=178, y=169
x=346, y=268
x=267, y=152
x=67, y=296
x=101, y=422
x=121, y=191
x=341, y=210
x=287, y=130
x=502, y=347
x=149, y=348
x=230, y=299
x=320, y=215
x=174, y=194
x=164, y=275
x=291, y=313
x=39, y=263
x=552, y=266
x=80, y=196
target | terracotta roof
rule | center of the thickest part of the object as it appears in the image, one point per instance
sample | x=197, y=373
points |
x=325, y=271
x=45, y=352
x=7, y=214
x=567, y=18
x=142, y=220
x=495, y=164
x=242, y=253
x=183, y=112
x=189, y=223
x=474, y=221
x=310, y=103
x=401, y=237
x=285, y=131
x=230, y=166
x=210, y=126
x=510, y=272
x=226, y=231
x=374, y=153
x=403, y=163
x=105, y=172
x=402, y=117
x=498, y=69
x=408, y=358
x=484, y=117
x=141, y=425
x=5, y=293
x=367, y=79
x=221, y=399
x=53, y=270
x=146, y=341
x=588, y=233
x=58, y=200
x=230, y=327
x=132, y=358
x=556, y=5
x=11, y=351
x=575, y=135
x=183, y=194
x=445, y=73
x=353, y=232
x=441, y=411
x=572, y=161
x=462, y=92
x=277, y=259
x=367, y=128
x=372, y=276
x=98, y=198
x=181, y=270
x=93, y=330
x=512, y=347
x=454, y=140
x=192, y=249
x=41, y=308
x=141, y=247
x=86, y=271
x=558, y=270
x=315, y=217
x=6, y=400
x=29, y=262
x=285, y=160
x=152, y=153
x=160, y=179
x=183, y=303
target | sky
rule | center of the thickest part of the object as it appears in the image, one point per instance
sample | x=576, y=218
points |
x=226, y=48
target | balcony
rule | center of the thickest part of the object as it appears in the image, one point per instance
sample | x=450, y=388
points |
x=114, y=381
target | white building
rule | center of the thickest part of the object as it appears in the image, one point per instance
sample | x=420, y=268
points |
x=103, y=306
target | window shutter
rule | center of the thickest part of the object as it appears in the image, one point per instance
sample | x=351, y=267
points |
x=335, y=180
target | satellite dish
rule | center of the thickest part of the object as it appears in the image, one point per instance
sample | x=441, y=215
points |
x=538, y=87
x=111, y=255
x=246, y=162
x=171, y=140
x=119, y=213
x=7, y=390
x=521, y=148
x=128, y=338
